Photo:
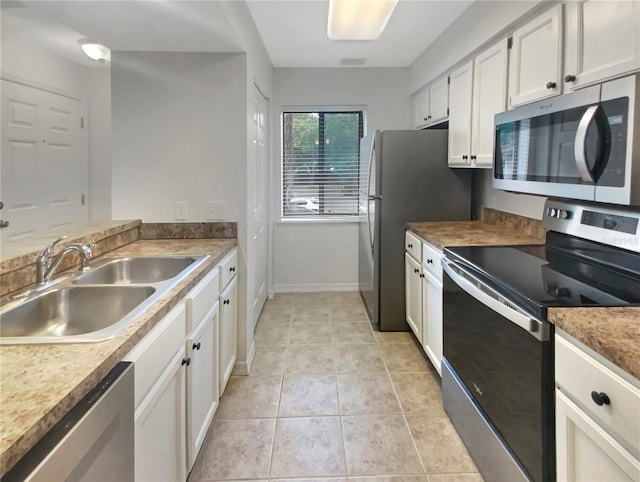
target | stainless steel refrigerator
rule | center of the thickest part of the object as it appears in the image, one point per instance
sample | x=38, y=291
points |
x=404, y=177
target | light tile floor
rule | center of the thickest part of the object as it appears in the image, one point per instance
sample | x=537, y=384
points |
x=330, y=398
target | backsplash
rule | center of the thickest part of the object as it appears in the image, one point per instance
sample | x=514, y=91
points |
x=521, y=224
x=19, y=272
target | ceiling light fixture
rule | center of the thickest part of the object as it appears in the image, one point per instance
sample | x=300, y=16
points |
x=358, y=19
x=94, y=50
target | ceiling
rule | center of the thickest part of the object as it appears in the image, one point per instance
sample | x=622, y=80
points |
x=293, y=31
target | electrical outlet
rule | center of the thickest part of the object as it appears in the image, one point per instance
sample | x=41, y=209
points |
x=217, y=210
x=181, y=210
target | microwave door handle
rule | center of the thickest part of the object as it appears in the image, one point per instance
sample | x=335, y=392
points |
x=480, y=291
x=580, y=145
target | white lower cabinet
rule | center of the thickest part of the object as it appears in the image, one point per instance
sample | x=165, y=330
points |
x=228, y=331
x=432, y=319
x=585, y=451
x=597, y=417
x=160, y=427
x=202, y=381
x=413, y=292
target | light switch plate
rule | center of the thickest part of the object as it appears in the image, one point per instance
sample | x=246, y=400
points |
x=217, y=210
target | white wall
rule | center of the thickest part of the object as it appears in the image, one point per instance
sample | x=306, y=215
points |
x=41, y=68
x=324, y=256
x=480, y=25
x=178, y=133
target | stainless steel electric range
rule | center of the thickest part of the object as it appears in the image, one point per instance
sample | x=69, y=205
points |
x=497, y=371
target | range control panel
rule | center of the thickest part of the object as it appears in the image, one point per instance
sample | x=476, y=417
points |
x=611, y=225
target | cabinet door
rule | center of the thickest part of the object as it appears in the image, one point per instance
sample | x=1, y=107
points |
x=460, y=95
x=432, y=316
x=421, y=108
x=585, y=451
x=536, y=59
x=228, y=332
x=489, y=98
x=202, y=382
x=602, y=40
x=413, y=295
x=439, y=100
x=160, y=428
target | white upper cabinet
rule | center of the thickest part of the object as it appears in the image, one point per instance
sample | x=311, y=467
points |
x=602, y=40
x=535, y=65
x=478, y=92
x=421, y=109
x=431, y=105
x=439, y=100
x=460, y=94
x=489, y=98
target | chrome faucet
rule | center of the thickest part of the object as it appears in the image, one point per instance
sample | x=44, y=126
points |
x=46, y=265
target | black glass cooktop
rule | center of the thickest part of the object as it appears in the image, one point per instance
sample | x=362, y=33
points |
x=566, y=271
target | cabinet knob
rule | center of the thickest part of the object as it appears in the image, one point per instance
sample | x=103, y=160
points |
x=428, y=117
x=600, y=398
x=473, y=157
x=429, y=261
x=425, y=119
x=186, y=361
x=465, y=157
x=569, y=78
x=196, y=346
x=416, y=270
x=410, y=245
x=233, y=268
x=225, y=302
x=421, y=275
x=551, y=85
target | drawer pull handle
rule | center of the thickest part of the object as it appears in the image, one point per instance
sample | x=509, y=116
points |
x=186, y=361
x=196, y=346
x=233, y=268
x=600, y=398
x=225, y=302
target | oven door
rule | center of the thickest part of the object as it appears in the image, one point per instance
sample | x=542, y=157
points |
x=501, y=359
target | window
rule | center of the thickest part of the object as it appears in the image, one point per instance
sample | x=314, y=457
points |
x=320, y=163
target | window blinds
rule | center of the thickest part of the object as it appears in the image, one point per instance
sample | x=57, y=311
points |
x=320, y=163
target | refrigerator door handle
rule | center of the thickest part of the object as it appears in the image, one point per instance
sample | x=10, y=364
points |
x=370, y=197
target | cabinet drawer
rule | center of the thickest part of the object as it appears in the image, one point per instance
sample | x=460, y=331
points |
x=578, y=374
x=413, y=245
x=201, y=298
x=228, y=268
x=152, y=355
x=431, y=257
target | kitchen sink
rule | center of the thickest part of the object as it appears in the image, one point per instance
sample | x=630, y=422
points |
x=124, y=271
x=74, y=312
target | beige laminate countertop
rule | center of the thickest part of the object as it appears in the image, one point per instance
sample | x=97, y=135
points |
x=614, y=333
x=471, y=233
x=39, y=384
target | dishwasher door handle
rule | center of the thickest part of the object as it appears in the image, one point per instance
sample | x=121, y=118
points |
x=493, y=300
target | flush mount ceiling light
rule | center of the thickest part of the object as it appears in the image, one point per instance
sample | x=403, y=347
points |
x=94, y=50
x=358, y=19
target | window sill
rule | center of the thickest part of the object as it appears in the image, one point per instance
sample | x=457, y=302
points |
x=320, y=220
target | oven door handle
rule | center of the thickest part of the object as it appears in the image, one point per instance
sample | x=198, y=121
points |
x=493, y=300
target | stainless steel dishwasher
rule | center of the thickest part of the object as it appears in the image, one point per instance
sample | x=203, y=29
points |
x=93, y=442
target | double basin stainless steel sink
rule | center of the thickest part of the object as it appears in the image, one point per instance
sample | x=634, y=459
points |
x=93, y=305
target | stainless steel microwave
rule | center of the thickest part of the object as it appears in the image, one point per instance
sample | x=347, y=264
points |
x=583, y=145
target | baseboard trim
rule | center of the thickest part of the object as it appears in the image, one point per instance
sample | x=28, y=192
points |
x=243, y=368
x=312, y=287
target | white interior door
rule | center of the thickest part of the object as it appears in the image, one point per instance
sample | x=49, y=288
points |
x=43, y=169
x=259, y=202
